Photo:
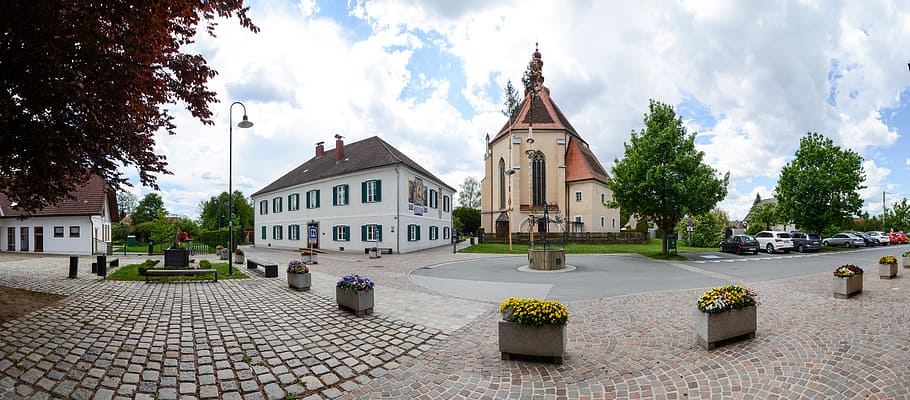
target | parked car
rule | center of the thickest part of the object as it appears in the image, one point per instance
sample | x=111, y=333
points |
x=882, y=237
x=901, y=237
x=774, y=241
x=868, y=241
x=739, y=244
x=844, y=239
x=804, y=242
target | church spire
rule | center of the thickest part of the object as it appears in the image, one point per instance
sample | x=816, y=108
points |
x=533, y=79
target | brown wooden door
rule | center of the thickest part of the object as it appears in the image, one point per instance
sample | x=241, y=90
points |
x=39, y=239
x=502, y=229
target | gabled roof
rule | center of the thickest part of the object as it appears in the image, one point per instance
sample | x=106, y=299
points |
x=89, y=200
x=544, y=114
x=366, y=154
x=582, y=164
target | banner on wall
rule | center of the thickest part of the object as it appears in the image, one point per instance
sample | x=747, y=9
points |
x=417, y=196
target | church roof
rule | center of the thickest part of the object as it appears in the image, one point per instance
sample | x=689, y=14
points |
x=368, y=153
x=582, y=164
x=541, y=112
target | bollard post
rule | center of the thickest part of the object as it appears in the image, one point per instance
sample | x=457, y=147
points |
x=74, y=266
x=102, y=266
x=151, y=244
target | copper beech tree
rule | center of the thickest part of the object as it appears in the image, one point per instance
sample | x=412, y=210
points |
x=84, y=84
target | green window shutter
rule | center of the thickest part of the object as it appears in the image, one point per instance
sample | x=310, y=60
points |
x=363, y=233
x=418, y=232
x=379, y=232
x=264, y=230
x=347, y=233
x=346, y=194
x=317, y=198
x=296, y=201
x=334, y=233
x=378, y=190
x=334, y=195
x=308, y=203
x=290, y=202
x=363, y=192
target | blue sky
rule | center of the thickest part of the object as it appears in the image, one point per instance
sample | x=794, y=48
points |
x=427, y=76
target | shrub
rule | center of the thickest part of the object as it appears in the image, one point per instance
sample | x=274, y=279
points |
x=847, y=270
x=906, y=254
x=147, y=265
x=730, y=297
x=355, y=282
x=887, y=260
x=206, y=264
x=297, y=267
x=238, y=252
x=534, y=312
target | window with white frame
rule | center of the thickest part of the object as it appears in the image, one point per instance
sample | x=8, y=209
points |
x=433, y=200
x=276, y=204
x=293, y=232
x=371, y=233
x=434, y=233
x=372, y=191
x=341, y=233
x=577, y=197
x=312, y=199
x=445, y=232
x=74, y=231
x=58, y=231
x=340, y=195
x=614, y=222
x=603, y=198
x=445, y=203
x=263, y=207
x=294, y=202
x=277, y=232
x=602, y=221
x=413, y=232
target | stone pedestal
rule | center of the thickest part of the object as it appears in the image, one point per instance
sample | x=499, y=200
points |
x=547, y=259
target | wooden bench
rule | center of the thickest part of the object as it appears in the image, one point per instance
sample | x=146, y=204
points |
x=179, y=272
x=271, y=270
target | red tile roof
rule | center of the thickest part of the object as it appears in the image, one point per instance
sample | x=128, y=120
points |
x=582, y=164
x=545, y=115
x=89, y=200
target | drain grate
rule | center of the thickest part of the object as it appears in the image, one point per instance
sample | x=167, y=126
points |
x=375, y=266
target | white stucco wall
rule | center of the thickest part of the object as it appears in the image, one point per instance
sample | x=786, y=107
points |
x=53, y=245
x=392, y=213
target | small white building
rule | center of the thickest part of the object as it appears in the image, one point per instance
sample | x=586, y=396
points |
x=361, y=195
x=81, y=225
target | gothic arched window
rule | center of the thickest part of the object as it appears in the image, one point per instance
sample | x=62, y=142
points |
x=539, y=179
x=502, y=183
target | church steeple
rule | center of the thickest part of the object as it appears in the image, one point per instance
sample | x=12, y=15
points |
x=533, y=78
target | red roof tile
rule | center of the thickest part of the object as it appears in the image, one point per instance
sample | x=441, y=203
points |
x=89, y=200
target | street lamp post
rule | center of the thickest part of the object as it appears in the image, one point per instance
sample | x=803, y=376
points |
x=242, y=124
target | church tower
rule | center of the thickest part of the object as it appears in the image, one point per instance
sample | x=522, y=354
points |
x=540, y=174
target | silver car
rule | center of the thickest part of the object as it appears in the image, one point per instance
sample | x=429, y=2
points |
x=844, y=240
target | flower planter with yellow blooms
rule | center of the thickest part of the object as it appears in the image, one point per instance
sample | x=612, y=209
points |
x=725, y=313
x=533, y=328
x=848, y=280
x=887, y=267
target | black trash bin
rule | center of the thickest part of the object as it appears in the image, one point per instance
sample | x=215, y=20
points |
x=74, y=266
x=102, y=266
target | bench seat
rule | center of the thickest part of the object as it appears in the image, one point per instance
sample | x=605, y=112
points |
x=271, y=270
x=179, y=272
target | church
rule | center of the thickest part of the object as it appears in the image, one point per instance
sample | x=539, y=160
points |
x=539, y=173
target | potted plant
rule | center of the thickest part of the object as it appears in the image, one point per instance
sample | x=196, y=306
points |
x=887, y=267
x=218, y=249
x=906, y=259
x=355, y=293
x=725, y=313
x=848, y=280
x=309, y=257
x=178, y=255
x=299, y=276
x=238, y=257
x=532, y=327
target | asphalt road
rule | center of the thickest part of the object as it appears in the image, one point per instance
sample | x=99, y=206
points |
x=602, y=276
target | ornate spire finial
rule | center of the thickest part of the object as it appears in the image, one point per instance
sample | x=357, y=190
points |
x=533, y=79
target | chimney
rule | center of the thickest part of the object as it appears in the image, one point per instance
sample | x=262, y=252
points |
x=320, y=149
x=339, y=148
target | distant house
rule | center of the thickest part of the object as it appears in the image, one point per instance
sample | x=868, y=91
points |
x=360, y=195
x=74, y=226
x=772, y=201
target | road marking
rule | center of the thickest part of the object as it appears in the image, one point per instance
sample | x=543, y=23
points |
x=712, y=274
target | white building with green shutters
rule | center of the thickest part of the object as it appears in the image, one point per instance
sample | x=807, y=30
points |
x=357, y=196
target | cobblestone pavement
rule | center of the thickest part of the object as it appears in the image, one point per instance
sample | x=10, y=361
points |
x=251, y=339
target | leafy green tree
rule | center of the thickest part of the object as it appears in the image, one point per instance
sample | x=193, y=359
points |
x=707, y=229
x=897, y=218
x=820, y=186
x=86, y=86
x=763, y=217
x=662, y=177
x=163, y=231
x=119, y=231
x=213, y=213
x=469, y=196
x=150, y=208
x=144, y=231
x=468, y=217
x=126, y=203
x=187, y=225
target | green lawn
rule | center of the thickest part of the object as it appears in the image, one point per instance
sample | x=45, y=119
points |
x=131, y=273
x=652, y=249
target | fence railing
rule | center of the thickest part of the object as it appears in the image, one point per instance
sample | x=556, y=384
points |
x=570, y=237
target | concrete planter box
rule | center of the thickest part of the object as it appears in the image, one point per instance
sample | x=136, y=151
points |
x=238, y=258
x=176, y=258
x=548, y=341
x=309, y=258
x=711, y=329
x=224, y=254
x=887, y=271
x=905, y=261
x=299, y=281
x=360, y=303
x=846, y=287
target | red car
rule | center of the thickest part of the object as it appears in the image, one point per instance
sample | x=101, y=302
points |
x=896, y=238
x=901, y=237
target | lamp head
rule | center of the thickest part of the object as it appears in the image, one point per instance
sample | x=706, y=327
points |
x=245, y=123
